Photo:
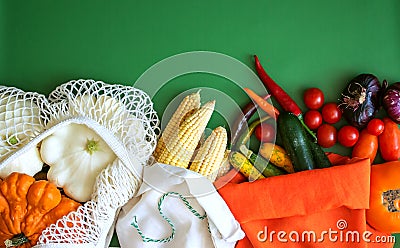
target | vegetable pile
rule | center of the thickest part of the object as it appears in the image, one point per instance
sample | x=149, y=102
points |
x=71, y=157
x=297, y=150
x=78, y=153
x=51, y=179
x=302, y=139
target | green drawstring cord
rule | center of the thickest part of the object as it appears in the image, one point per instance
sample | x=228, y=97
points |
x=171, y=237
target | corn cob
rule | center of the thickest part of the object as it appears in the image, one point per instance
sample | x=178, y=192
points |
x=188, y=104
x=225, y=165
x=209, y=158
x=182, y=144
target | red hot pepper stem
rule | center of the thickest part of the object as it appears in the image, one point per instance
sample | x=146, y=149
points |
x=284, y=100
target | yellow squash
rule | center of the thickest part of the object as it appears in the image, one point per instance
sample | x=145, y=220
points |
x=276, y=155
x=242, y=164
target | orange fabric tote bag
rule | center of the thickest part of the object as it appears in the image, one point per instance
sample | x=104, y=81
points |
x=316, y=208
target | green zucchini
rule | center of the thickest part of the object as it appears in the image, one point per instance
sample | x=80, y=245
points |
x=267, y=169
x=296, y=142
x=320, y=158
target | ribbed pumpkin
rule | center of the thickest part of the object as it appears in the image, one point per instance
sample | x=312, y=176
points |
x=27, y=207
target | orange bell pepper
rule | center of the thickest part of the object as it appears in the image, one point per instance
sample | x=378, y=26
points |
x=384, y=211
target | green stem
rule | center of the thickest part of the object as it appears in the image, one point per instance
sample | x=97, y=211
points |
x=92, y=146
x=17, y=240
x=300, y=117
x=13, y=140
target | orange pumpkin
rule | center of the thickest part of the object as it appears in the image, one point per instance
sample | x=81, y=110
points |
x=384, y=211
x=27, y=207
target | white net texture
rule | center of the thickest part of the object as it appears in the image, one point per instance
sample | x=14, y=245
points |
x=20, y=118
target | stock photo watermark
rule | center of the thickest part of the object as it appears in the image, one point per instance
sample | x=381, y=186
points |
x=340, y=234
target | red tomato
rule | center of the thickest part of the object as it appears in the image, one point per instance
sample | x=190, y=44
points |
x=366, y=146
x=313, y=98
x=313, y=119
x=326, y=135
x=348, y=136
x=389, y=141
x=265, y=132
x=375, y=126
x=331, y=113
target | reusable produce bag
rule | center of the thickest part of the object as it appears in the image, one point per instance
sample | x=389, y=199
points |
x=316, y=208
x=176, y=207
x=125, y=120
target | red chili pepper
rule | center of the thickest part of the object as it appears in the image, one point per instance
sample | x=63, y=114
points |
x=276, y=91
x=284, y=100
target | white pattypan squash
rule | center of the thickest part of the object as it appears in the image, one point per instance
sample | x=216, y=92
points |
x=29, y=163
x=76, y=155
x=19, y=123
x=19, y=120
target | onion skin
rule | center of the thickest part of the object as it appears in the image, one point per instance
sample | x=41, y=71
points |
x=360, y=100
x=391, y=102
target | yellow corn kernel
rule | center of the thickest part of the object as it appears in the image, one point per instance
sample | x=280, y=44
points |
x=224, y=168
x=183, y=142
x=189, y=103
x=209, y=158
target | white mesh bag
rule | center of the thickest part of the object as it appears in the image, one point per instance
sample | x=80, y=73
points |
x=122, y=116
x=20, y=122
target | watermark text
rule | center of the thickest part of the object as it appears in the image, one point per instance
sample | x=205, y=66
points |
x=339, y=234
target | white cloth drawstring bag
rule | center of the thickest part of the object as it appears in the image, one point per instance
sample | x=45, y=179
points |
x=122, y=116
x=175, y=207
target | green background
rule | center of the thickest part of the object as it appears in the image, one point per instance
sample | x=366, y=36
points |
x=301, y=43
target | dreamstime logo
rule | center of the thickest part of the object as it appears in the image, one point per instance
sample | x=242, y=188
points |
x=341, y=224
x=160, y=74
x=338, y=234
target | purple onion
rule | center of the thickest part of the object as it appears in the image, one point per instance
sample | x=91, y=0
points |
x=360, y=100
x=391, y=102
